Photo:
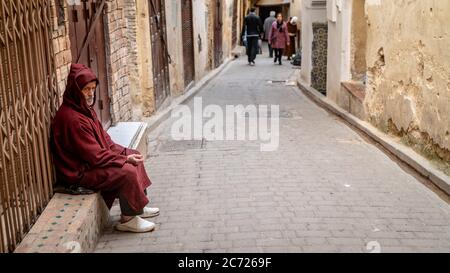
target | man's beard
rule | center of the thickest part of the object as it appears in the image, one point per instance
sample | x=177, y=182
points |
x=90, y=101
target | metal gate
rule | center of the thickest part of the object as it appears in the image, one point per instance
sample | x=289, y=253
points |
x=235, y=23
x=160, y=56
x=188, y=41
x=218, y=24
x=28, y=100
x=81, y=18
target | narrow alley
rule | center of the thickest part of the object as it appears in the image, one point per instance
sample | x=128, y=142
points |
x=326, y=189
x=335, y=139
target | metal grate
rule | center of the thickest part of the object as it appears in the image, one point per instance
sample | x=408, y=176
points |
x=28, y=99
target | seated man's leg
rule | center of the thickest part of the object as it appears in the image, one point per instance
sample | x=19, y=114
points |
x=128, y=182
x=126, y=209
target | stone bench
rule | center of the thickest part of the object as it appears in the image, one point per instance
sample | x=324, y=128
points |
x=73, y=224
x=352, y=101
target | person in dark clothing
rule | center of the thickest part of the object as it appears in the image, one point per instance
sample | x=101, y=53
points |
x=253, y=28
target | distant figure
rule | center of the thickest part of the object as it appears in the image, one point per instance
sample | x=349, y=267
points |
x=253, y=28
x=267, y=26
x=292, y=29
x=279, y=38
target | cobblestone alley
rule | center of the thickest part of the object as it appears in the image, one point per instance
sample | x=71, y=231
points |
x=326, y=189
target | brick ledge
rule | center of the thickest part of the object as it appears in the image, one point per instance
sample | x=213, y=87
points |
x=69, y=224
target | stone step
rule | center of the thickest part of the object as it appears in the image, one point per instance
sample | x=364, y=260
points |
x=353, y=98
x=69, y=224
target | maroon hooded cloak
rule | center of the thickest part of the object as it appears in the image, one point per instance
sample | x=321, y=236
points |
x=84, y=153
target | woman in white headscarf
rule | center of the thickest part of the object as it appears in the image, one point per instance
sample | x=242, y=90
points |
x=292, y=29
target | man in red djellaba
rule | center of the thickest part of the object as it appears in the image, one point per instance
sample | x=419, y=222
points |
x=84, y=155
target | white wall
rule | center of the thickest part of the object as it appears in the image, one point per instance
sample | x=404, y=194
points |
x=296, y=9
x=339, y=39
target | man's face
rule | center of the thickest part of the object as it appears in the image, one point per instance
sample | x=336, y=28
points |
x=89, y=92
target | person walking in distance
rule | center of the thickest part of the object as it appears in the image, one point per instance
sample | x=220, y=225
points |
x=279, y=38
x=267, y=27
x=253, y=28
x=292, y=30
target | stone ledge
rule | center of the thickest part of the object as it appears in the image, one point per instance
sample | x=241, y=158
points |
x=69, y=224
x=353, y=95
x=356, y=89
x=404, y=153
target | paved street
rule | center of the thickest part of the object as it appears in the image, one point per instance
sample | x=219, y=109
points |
x=326, y=189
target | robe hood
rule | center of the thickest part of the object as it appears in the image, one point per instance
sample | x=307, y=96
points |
x=79, y=76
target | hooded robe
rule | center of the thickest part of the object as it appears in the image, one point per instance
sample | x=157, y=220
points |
x=292, y=30
x=84, y=153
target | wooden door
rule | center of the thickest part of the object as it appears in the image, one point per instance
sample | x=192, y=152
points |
x=235, y=23
x=188, y=41
x=80, y=20
x=218, y=37
x=160, y=56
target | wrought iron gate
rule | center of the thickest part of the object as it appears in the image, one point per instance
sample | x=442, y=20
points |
x=28, y=100
x=188, y=41
x=218, y=36
x=160, y=56
x=81, y=18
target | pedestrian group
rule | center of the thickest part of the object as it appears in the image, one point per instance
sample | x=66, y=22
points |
x=279, y=34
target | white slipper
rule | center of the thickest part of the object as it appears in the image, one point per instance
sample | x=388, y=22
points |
x=136, y=225
x=149, y=213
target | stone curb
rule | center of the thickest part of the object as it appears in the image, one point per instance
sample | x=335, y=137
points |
x=404, y=153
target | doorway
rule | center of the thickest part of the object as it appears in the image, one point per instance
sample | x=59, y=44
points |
x=188, y=42
x=160, y=56
x=218, y=36
x=80, y=20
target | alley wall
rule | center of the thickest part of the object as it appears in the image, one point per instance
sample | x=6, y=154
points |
x=408, y=60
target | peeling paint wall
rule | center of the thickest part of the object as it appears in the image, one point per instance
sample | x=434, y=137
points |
x=408, y=58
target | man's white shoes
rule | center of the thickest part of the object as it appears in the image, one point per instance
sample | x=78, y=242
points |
x=149, y=213
x=136, y=225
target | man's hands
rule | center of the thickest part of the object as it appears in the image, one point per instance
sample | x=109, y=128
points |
x=135, y=159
